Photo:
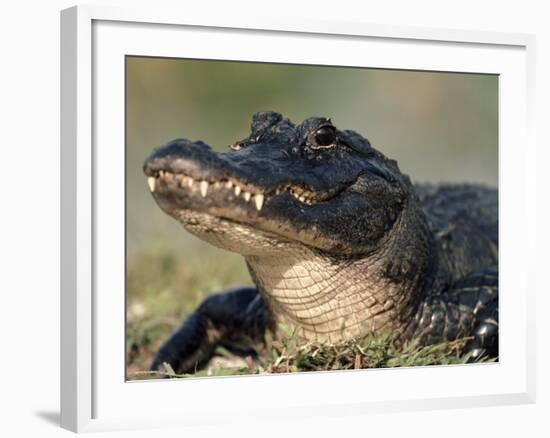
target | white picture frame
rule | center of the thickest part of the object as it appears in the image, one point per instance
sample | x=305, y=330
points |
x=94, y=397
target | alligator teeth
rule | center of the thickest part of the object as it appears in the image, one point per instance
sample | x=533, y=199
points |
x=204, y=188
x=302, y=199
x=259, y=201
x=190, y=182
x=161, y=173
x=228, y=184
x=151, y=181
x=246, y=196
x=237, y=190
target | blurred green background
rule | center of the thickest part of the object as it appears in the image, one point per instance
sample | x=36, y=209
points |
x=438, y=126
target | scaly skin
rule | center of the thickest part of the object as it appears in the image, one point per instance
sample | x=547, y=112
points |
x=338, y=241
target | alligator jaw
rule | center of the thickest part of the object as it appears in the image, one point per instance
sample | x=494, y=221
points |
x=204, y=206
x=223, y=189
x=231, y=188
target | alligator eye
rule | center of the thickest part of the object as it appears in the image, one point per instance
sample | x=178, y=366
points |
x=325, y=136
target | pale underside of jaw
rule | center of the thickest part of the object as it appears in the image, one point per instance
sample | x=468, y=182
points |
x=233, y=236
x=230, y=187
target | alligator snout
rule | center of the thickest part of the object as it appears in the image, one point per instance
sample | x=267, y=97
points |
x=183, y=156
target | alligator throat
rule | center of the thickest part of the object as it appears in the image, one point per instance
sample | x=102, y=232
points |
x=329, y=299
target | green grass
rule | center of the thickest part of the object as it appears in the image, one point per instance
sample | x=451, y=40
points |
x=163, y=288
x=370, y=351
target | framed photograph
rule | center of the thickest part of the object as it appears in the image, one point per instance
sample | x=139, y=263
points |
x=260, y=217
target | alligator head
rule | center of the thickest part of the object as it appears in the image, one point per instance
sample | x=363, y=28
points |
x=289, y=193
x=311, y=183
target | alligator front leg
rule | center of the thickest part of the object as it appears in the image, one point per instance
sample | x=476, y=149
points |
x=468, y=309
x=237, y=317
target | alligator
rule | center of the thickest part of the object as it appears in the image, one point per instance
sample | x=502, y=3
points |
x=338, y=242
